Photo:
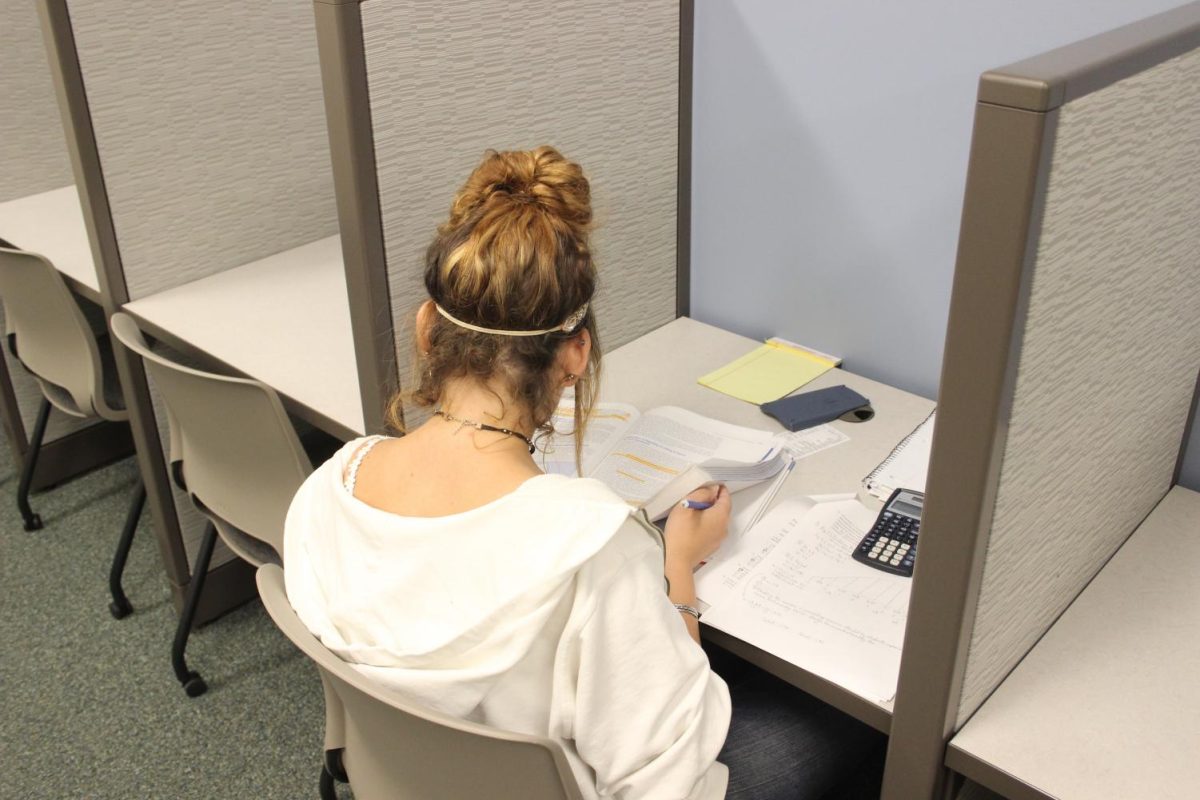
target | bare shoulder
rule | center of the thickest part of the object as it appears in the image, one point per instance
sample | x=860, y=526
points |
x=414, y=476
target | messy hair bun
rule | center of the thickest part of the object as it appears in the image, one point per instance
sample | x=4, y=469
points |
x=539, y=177
x=513, y=255
x=514, y=252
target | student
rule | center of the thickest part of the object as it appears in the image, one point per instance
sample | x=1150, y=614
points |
x=447, y=566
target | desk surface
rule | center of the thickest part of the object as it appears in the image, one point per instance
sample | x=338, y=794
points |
x=1106, y=704
x=283, y=320
x=51, y=224
x=661, y=368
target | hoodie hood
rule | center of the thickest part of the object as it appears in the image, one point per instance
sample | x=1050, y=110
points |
x=439, y=608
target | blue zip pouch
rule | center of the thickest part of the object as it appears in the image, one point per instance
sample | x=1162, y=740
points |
x=807, y=409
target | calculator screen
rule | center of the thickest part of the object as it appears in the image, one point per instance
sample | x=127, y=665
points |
x=906, y=508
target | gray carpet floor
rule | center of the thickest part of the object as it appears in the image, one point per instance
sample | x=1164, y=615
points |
x=90, y=707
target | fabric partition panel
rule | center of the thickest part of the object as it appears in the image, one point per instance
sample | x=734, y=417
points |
x=1108, y=358
x=209, y=124
x=597, y=79
x=33, y=151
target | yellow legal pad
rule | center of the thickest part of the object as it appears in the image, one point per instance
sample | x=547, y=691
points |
x=768, y=373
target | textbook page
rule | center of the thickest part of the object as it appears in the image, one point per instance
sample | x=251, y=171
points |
x=611, y=422
x=752, y=502
x=667, y=441
x=606, y=425
x=638, y=456
x=803, y=598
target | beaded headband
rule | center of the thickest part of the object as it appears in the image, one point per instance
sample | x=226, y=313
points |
x=568, y=325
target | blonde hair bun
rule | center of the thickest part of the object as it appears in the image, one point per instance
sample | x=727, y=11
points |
x=541, y=179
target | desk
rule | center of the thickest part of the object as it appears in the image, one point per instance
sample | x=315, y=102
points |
x=283, y=320
x=51, y=224
x=661, y=368
x=1106, y=704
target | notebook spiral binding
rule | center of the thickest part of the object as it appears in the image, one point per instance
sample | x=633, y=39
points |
x=869, y=481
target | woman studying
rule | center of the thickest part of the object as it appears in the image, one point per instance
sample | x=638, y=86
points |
x=447, y=566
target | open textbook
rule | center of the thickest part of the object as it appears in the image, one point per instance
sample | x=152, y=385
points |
x=654, y=459
x=790, y=587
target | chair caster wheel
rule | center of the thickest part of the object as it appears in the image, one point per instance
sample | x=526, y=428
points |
x=195, y=685
x=33, y=523
x=120, y=609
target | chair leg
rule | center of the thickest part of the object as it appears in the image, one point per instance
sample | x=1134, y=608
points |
x=120, y=607
x=332, y=770
x=335, y=766
x=33, y=522
x=191, y=681
x=325, y=786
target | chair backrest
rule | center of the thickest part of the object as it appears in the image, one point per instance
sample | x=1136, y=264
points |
x=53, y=338
x=242, y=459
x=396, y=750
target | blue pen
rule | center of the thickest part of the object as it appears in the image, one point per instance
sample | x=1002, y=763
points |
x=695, y=505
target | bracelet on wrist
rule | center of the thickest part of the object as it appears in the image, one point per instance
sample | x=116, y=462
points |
x=684, y=608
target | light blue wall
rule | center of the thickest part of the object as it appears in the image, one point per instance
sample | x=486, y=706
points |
x=830, y=145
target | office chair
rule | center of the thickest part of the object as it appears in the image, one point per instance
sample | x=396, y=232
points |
x=49, y=336
x=396, y=750
x=238, y=457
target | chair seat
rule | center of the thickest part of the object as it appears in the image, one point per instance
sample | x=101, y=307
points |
x=247, y=547
x=61, y=399
x=113, y=397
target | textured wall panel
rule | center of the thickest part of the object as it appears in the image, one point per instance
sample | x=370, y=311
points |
x=597, y=79
x=33, y=152
x=210, y=125
x=1109, y=359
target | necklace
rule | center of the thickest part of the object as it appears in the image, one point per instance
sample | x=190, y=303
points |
x=480, y=426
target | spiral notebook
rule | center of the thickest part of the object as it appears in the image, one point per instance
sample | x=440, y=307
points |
x=907, y=464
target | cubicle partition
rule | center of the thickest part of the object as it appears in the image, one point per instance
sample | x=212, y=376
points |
x=1071, y=362
x=33, y=152
x=38, y=202
x=198, y=133
x=416, y=93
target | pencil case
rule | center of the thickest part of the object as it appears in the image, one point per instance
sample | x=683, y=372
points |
x=804, y=410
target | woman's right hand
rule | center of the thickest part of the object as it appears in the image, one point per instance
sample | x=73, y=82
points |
x=691, y=536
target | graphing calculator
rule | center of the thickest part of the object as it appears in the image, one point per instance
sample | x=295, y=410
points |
x=891, y=544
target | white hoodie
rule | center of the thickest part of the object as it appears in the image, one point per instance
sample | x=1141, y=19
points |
x=541, y=612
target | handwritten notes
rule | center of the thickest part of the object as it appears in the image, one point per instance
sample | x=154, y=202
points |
x=791, y=588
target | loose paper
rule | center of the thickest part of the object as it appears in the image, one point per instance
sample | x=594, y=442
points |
x=793, y=590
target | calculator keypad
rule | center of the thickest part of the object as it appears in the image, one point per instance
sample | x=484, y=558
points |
x=891, y=545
